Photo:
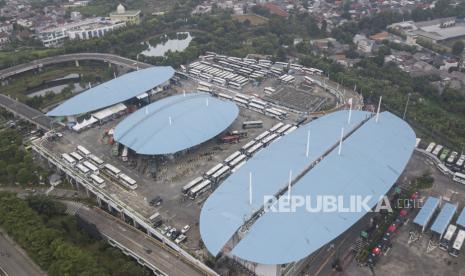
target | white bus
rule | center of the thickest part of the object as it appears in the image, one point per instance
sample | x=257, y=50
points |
x=213, y=170
x=200, y=188
x=446, y=240
x=235, y=85
x=221, y=174
x=97, y=161
x=254, y=149
x=97, y=180
x=269, y=139
x=442, y=168
x=83, y=169
x=262, y=135
x=459, y=164
x=191, y=184
x=232, y=157
x=225, y=96
x=272, y=112
x=252, y=124
x=127, y=181
x=112, y=170
x=451, y=160
x=241, y=102
x=457, y=246
x=76, y=156
x=290, y=130
x=219, y=81
x=258, y=101
x=269, y=90
x=309, y=80
x=124, y=155
x=204, y=89
x=82, y=150
x=276, y=127
x=243, y=97
x=68, y=159
x=91, y=167
x=206, y=84
x=256, y=107
x=284, y=64
x=283, y=129
x=248, y=146
x=437, y=150
x=238, y=166
x=241, y=158
x=417, y=142
x=430, y=147
x=459, y=177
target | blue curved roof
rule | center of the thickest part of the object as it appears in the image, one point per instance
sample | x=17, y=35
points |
x=114, y=91
x=372, y=159
x=175, y=123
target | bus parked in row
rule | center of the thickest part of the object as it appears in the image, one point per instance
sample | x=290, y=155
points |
x=200, y=189
x=71, y=161
x=252, y=124
x=191, y=184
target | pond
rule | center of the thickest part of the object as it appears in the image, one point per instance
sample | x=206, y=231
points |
x=174, y=43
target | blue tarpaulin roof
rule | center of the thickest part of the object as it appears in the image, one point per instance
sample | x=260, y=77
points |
x=426, y=212
x=461, y=218
x=114, y=91
x=175, y=123
x=372, y=158
x=443, y=219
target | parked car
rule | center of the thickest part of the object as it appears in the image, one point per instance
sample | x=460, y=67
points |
x=185, y=229
x=156, y=201
x=180, y=239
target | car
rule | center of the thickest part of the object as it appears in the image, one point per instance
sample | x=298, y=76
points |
x=164, y=229
x=175, y=234
x=185, y=229
x=180, y=239
x=156, y=201
x=170, y=232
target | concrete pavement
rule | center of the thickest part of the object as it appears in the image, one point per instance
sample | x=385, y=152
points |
x=14, y=261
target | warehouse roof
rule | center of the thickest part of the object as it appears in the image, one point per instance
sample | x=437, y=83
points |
x=461, y=218
x=175, y=123
x=443, y=219
x=114, y=91
x=427, y=210
x=372, y=159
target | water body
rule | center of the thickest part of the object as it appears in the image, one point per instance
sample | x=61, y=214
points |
x=57, y=90
x=173, y=45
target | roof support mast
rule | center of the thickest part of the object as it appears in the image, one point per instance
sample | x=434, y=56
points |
x=289, y=186
x=379, y=106
x=308, y=144
x=340, y=141
x=250, y=188
x=350, y=111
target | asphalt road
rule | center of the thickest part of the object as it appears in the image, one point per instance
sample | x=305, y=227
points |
x=26, y=112
x=139, y=243
x=114, y=59
x=14, y=261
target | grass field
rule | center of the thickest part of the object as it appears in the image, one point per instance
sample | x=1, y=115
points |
x=254, y=19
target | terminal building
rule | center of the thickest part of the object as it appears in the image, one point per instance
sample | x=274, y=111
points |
x=111, y=97
x=362, y=156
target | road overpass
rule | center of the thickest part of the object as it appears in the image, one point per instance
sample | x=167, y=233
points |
x=39, y=63
x=26, y=112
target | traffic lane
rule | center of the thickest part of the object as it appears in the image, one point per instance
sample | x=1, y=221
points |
x=26, y=111
x=14, y=262
x=8, y=72
x=138, y=242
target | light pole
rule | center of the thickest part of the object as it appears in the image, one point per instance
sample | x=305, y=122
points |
x=406, y=105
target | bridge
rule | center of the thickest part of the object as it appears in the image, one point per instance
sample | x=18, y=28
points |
x=39, y=63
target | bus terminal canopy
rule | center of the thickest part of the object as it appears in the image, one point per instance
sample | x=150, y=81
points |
x=426, y=212
x=372, y=158
x=175, y=123
x=443, y=219
x=114, y=91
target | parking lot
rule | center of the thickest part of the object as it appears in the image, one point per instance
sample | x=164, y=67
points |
x=171, y=172
x=406, y=258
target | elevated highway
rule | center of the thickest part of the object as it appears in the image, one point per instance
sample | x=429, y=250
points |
x=39, y=63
